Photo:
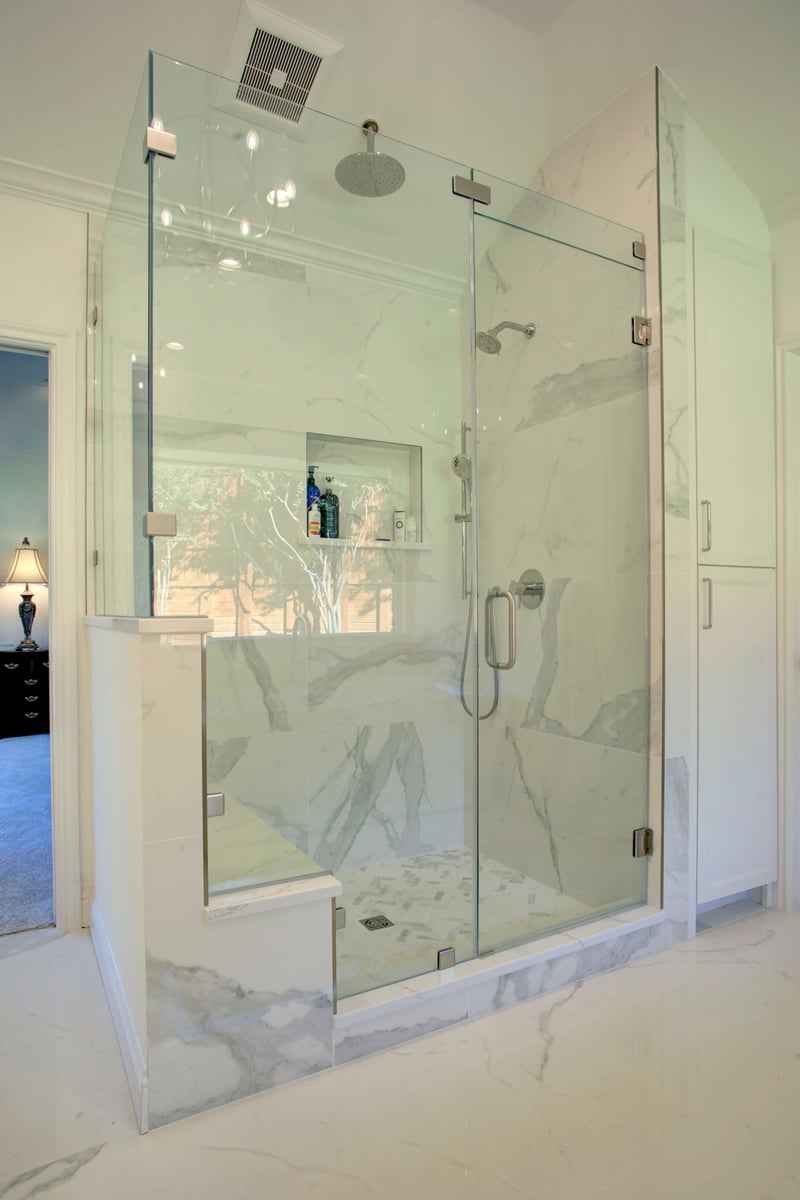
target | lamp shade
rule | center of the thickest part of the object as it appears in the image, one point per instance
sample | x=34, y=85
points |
x=27, y=566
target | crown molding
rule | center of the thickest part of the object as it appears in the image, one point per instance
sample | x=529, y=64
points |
x=783, y=209
x=38, y=183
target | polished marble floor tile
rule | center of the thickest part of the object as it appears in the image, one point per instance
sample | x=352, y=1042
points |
x=62, y=1085
x=675, y=1078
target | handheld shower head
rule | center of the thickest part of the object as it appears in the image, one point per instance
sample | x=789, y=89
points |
x=370, y=173
x=490, y=343
x=462, y=465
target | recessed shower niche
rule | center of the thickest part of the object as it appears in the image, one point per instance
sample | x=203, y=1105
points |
x=378, y=486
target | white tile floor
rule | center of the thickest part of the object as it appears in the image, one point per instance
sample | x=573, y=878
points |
x=676, y=1077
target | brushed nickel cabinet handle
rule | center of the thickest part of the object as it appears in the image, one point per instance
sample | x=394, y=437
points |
x=706, y=506
x=11, y=666
x=709, y=603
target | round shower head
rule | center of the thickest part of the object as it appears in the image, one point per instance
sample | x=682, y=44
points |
x=370, y=173
x=488, y=343
x=462, y=465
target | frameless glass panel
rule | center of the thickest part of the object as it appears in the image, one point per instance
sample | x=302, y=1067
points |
x=563, y=491
x=120, y=411
x=560, y=222
x=301, y=327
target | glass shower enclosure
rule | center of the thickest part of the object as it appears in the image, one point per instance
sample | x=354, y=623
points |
x=449, y=701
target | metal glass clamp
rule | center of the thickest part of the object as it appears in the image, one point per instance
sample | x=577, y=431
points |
x=158, y=141
x=160, y=524
x=470, y=189
x=494, y=594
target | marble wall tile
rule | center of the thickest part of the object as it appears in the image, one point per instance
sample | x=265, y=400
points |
x=563, y=811
x=255, y=685
x=171, y=717
x=422, y=1016
x=222, y=1021
x=381, y=792
x=559, y=500
x=266, y=773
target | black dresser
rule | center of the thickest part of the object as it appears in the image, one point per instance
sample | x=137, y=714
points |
x=24, y=692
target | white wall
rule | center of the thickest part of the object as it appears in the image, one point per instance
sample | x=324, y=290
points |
x=786, y=258
x=43, y=303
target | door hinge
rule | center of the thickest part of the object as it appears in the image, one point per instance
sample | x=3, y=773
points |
x=215, y=804
x=642, y=331
x=95, y=316
x=158, y=141
x=639, y=250
x=642, y=842
x=470, y=190
x=95, y=558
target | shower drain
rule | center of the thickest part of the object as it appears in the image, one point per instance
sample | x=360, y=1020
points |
x=373, y=923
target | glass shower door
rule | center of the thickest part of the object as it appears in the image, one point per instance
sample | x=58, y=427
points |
x=563, y=545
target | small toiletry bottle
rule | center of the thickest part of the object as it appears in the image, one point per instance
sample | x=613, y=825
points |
x=313, y=520
x=329, y=504
x=312, y=497
x=399, y=524
x=312, y=491
x=411, y=529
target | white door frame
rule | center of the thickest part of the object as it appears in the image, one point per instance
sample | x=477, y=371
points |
x=788, y=464
x=67, y=606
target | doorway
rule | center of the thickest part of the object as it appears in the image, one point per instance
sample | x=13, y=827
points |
x=26, y=840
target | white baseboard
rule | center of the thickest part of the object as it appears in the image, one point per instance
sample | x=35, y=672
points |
x=133, y=1058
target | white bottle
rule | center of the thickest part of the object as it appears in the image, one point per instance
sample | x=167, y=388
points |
x=313, y=520
x=399, y=524
x=411, y=529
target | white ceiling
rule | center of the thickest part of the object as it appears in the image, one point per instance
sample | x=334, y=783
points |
x=69, y=72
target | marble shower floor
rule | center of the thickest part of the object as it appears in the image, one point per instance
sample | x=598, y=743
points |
x=674, y=1078
x=430, y=899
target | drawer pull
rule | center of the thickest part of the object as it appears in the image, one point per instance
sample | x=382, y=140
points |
x=31, y=682
x=11, y=666
x=31, y=699
x=30, y=716
x=47, y=664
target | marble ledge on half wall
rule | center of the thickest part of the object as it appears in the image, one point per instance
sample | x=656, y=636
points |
x=158, y=625
x=271, y=897
x=396, y=996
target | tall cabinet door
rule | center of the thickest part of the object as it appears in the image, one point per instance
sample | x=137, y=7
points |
x=737, y=763
x=735, y=403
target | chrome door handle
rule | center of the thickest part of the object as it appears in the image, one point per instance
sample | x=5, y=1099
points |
x=494, y=594
x=709, y=603
x=706, y=546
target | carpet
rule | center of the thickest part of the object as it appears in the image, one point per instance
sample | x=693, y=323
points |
x=26, y=850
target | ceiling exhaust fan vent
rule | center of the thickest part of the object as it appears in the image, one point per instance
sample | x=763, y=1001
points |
x=272, y=65
x=278, y=76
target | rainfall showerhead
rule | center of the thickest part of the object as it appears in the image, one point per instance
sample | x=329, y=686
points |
x=490, y=343
x=370, y=173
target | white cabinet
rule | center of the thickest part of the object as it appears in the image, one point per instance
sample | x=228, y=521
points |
x=737, y=758
x=735, y=403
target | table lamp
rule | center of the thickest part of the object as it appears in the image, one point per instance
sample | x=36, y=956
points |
x=27, y=568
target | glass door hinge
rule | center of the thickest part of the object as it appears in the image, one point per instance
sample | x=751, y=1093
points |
x=639, y=250
x=642, y=842
x=340, y=918
x=157, y=524
x=642, y=331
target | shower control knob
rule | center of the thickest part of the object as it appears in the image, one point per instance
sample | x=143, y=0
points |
x=529, y=588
